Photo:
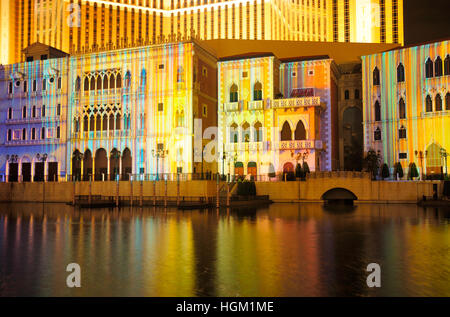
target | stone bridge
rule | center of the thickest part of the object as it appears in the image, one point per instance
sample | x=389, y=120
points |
x=318, y=185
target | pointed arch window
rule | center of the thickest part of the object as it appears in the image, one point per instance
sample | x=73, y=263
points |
x=376, y=77
x=128, y=79
x=257, y=91
x=438, y=102
x=105, y=82
x=119, y=81
x=112, y=81
x=43, y=133
x=234, y=93
x=447, y=65
x=258, y=132
x=245, y=132
x=447, y=101
x=24, y=112
x=286, y=132
x=428, y=104
x=300, y=131
x=429, y=68
x=400, y=73
x=180, y=74
x=402, y=109
x=99, y=82
x=377, y=134
x=402, y=133
x=78, y=84
x=377, y=111
x=92, y=84
x=86, y=84
x=438, y=67
x=234, y=133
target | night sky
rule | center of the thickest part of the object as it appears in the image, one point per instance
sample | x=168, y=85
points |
x=426, y=20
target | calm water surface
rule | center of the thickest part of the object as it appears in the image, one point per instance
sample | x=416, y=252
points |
x=284, y=250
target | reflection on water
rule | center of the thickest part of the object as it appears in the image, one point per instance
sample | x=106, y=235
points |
x=284, y=250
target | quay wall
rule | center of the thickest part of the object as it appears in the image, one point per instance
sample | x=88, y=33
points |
x=310, y=190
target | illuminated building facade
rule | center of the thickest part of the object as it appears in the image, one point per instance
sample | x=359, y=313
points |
x=92, y=25
x=33, y=111
x=132, y=110
x=406, y=95
x=275, y=114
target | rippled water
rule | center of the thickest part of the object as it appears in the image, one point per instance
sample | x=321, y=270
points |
x=284, y=250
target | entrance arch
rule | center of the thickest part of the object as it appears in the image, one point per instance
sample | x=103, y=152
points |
x=101, y=164
x=126, y=164
x=239, y=169
x=87, y=165
x=114, y=159
x=339, y=195
x=252, y=169
x=434, y=162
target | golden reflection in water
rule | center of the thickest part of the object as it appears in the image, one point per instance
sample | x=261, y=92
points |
x=284, y=250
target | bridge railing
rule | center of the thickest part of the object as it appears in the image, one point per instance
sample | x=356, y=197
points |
x=339, y=174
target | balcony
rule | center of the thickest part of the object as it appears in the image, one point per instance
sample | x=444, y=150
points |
x=296, y=102
x=231, y=106
x=256, y=105
x=247, y=146
x=300, y=145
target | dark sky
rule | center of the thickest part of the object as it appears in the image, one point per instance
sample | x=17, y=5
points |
x=426, y=20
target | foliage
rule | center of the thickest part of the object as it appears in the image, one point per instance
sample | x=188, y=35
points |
x=298, y=171
x=306, y=168
x=372, y=162
x=399, y=170
x=246, y=188
x=413, y=172
x=385, y=171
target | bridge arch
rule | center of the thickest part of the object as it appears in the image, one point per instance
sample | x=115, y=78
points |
x=339, y=194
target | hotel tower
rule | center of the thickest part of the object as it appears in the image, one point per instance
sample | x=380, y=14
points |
x=76, y=26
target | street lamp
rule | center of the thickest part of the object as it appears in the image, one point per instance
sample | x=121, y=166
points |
x=421, y=155
x=159, y=153
x=444, y=154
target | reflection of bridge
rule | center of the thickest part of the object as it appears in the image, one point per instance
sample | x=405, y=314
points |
x=358, y=184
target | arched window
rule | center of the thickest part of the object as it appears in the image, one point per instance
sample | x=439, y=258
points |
x=402, y=133
x=9, y=136
x=438, y=103
x=347, y=95
x=33, y=112
x=258, y=132
x=356, y=93
x=92, y=83
x=429, y=68
x=78, y=84
x=128, y=79
x=86, y=123
x=377, y=111
x=144, y=78
x=112, y=81
x=119, y=81
x=402, y=109
x=10, y=113
x=400, y=73
x=24, y=112
x=438, y=67
x=447, y=65
x=43, y=133
x=257, y=91
x=245, y=132
x=180, y=74
x=376, y=77
x=377, y=134
x=234, y=133
x=24, y=134
x=105, y=82
x=33, y=134
x=86, y=83
x=286, y=132
x=180, y=118
x=447, y=101
x=234, y=93
x=428, y=104
x=99, y=82
x=300, y=131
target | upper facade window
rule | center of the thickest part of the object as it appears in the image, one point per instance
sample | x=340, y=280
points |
x=376, y=77
x=429, y=68
x=377, y=111
x=438, y=67
x=257, y=91
x=234, y=93
x=447, y=65
x=428, y=104
x=402, y=109
x=400, y=73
